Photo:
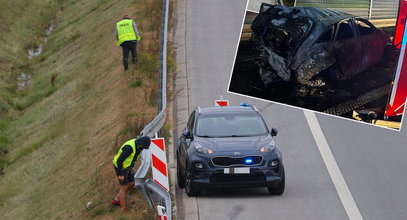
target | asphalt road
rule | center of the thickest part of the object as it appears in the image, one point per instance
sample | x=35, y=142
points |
x=371, y=159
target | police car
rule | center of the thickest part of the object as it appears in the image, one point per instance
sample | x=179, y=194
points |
x=228, y=147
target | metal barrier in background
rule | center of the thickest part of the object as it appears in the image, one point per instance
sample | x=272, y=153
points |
x=370, y=9
x=384, y=9
x=151, y=190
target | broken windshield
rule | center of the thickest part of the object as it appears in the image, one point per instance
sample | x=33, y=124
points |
x=282, y=29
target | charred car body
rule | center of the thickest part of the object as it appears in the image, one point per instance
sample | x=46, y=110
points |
x=299, y=43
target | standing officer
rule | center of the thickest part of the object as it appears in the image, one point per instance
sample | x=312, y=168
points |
x=127, y=36
x=123, y=164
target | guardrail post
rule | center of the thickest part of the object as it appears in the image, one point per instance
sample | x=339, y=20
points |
x=370, y=9
x=147, y=196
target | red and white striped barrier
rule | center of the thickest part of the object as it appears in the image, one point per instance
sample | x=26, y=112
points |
x=162, y=214
x=159, y=162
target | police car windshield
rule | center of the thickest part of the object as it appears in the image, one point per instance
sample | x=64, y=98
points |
x=228, y=125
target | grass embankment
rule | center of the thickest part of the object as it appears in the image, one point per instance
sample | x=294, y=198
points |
x=57, y=142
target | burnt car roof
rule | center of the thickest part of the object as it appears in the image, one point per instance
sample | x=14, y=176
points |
x=319, y=16
x=325, y=14
x=310, y=12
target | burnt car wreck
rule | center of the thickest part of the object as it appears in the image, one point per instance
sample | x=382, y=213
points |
x=309, y=45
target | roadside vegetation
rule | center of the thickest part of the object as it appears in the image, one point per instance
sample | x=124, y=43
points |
x=65, y=112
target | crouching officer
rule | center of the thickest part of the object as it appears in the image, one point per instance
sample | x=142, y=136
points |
x=123, y=165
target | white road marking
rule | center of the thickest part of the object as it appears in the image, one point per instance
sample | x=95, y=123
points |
x=337, y=178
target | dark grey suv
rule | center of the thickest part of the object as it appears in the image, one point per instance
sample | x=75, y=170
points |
x=228, y=147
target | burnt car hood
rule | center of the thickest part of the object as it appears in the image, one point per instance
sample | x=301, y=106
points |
x=282, y=36
x=225, y=144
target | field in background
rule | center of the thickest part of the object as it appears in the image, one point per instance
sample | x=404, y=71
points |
x=64, y=113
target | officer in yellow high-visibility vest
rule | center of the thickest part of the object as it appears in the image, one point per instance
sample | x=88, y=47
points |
x=123, y=164
x=127, y=36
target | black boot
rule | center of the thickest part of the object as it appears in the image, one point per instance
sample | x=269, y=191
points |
x=126, y=65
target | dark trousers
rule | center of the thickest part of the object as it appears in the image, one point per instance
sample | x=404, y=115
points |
x=129, y=46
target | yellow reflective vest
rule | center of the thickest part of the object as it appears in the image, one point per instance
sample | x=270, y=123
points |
x=125, y=31
x=129, y=159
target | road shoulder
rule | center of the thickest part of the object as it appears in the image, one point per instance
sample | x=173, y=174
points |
x=181, y=108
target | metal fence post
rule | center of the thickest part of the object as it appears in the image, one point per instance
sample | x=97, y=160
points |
x=370, y=9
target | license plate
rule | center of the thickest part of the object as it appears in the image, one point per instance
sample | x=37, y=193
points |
x=236, y=170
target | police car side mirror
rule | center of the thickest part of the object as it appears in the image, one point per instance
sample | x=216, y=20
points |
x=186, y=133
x=274, y=132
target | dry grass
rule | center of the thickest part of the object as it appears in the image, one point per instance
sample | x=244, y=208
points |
x=65, y=135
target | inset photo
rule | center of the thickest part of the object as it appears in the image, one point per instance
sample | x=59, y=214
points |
x=345, y=60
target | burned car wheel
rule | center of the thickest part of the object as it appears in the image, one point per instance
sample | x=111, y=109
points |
x=279, y=189
x=189, y=187
x=180, y=175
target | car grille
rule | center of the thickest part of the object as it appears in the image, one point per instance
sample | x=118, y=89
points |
x=232, y=161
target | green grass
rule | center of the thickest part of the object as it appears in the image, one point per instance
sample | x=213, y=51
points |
x=99, y=211
x=28, y=150
x=151, y=97
x=4, y=141
x=4, y=125
x=49, y=131
x=3, y=163
x=5, y=195
x=34, y=97
x=21, y=29
x=148, y=64
x=136, y=83
x=165, y=132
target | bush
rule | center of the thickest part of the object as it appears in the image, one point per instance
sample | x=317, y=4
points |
x=136, y=83
x=148, y=63
x=3, y=125
x=4, y=142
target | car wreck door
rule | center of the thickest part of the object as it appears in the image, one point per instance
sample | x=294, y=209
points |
x=348, y=49
x=319, y=57
x=372, y=43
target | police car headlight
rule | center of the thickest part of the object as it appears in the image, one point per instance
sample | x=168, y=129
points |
x=268, y=147
x=202, y=149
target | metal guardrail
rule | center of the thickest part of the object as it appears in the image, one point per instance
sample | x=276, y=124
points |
x=370, y=9
x=146, y=184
